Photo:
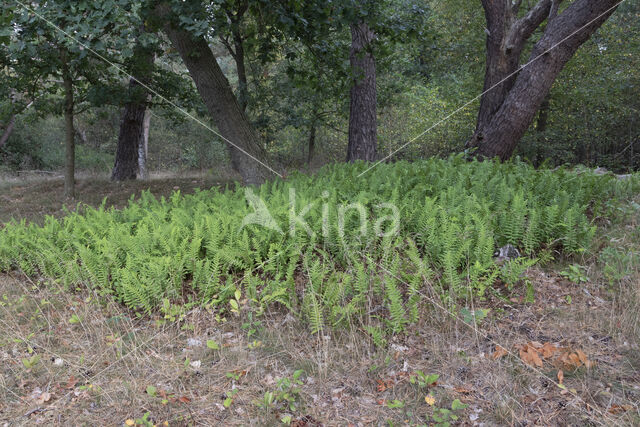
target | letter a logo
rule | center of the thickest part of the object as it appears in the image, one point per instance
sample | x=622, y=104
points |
x=261, y=215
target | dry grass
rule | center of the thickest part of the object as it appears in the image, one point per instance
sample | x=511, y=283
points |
x=34, y=196
x=97, y=359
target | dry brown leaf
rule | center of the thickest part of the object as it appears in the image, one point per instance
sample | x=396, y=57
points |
x=44, y=397
x=463, y=389
x=560, y=376
x=184, y=399
x=383, y=385
x=530, y=356
x=500, y=351
x=575, y=360
x=617, y=409
x=548, y=350
x=71, y=383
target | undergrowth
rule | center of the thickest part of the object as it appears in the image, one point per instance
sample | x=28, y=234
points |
x=451, y=216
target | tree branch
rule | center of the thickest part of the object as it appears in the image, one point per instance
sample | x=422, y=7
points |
x=553, y=13
x=524, y=27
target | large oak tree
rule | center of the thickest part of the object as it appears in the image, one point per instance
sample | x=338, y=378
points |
x=513, y=94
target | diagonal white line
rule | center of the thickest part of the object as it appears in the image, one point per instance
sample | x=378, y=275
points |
x=471, y=101
x=122, y=71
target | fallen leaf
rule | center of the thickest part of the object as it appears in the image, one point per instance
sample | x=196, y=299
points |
x=184, y=399
x=384, y=384
x=530, y=356
x=44, y=397
x=575, y=360
x=500, y=351
x=560, y=376
x=617, y=409
x=463, y=389
x=71, y=383
x=548, y=350
x=581, y=356
x=130, y=422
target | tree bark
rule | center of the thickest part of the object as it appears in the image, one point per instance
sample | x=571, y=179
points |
x=236, y=48
x=507, y=110
x=143, y=146
x=132, y=121
x=312, y=142
x=243, y=89
x=362, y=111
x=543, y=115
x=70, y=146
x=131, y=133
x=248, y=157
x=8, y=130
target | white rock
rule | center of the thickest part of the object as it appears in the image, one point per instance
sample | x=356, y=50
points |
x=400, y=348
x=194, y=342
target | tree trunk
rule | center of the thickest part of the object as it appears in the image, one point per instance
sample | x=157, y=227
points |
x=131, y=133
x=507, y=110
x=8, y=130
x=143, y=146
x=543, y=115
x=237, y=50
x=362, y=111
x=312, y=142
x=248, y=157
x=132, y=121
x=70, y=146
x=243, y=90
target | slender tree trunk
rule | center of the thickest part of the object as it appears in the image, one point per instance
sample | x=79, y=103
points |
x=507, y=110
x=248, y=157
x=312, y=142
x=362, y=111
x=70, y=145
x=8, y=130
x=543, y=115
x=243, y=90
x=143, y=146
x=237, y=50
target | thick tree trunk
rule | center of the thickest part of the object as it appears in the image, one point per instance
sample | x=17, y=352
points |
x=143, y=146
x=248, y=157
x=70, y=146
x=507, y=110
x=131, y=133
x=362, y=112
x=8, y=130
x=132, y=121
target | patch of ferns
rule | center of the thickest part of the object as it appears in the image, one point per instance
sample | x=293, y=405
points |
x=453, y=215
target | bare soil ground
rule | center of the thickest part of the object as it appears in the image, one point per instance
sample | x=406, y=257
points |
x=78, y=359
